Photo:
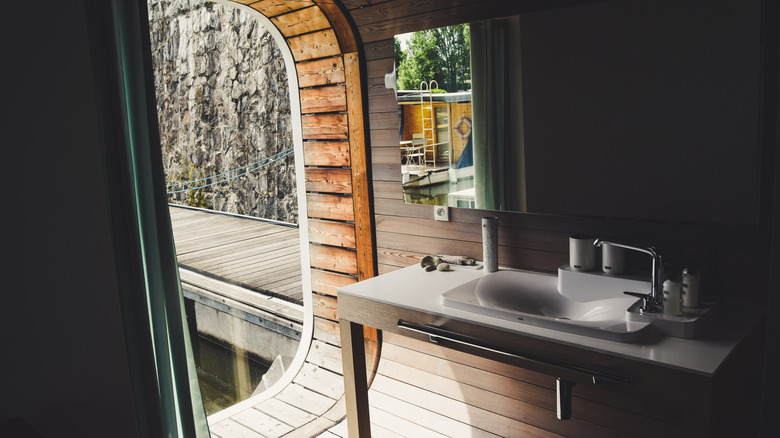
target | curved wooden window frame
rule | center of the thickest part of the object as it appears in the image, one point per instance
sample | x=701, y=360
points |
x=332, y=131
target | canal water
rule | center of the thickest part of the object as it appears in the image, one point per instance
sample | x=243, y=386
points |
x=225, y=374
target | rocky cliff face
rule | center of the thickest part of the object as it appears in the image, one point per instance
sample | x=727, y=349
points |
x=224, y=110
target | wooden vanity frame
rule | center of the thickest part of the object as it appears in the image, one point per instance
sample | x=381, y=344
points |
x=694, y=399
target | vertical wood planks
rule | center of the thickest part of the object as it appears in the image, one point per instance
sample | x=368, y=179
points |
x=360, y=178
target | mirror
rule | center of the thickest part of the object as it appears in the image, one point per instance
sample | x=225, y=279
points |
x=631, y=110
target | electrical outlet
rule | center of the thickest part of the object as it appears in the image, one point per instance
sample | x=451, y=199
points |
x=441, y=213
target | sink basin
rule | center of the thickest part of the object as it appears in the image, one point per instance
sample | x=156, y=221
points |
x=594, y=307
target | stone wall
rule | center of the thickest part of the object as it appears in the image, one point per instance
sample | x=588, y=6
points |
x=223, y=104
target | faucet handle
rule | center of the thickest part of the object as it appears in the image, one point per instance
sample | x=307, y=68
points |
x=647, y=302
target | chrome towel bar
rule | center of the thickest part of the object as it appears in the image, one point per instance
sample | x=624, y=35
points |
x=597, y=376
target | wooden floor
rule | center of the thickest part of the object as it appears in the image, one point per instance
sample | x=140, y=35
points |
x=260, y=256
x=254, y=256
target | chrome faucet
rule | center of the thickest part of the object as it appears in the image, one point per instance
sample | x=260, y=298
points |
x=650, y=302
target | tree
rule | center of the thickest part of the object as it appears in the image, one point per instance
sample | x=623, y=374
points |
x=440, y=54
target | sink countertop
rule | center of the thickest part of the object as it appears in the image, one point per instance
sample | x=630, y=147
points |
x=414, y=288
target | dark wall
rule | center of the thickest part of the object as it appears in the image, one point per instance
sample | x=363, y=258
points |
x=643, y=110
x=66, y=371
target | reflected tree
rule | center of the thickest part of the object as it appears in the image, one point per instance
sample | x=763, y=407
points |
x=441, y=54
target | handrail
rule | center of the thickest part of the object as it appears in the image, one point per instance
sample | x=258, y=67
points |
x=597, y=376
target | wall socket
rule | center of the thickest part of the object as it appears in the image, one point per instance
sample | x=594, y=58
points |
x=441, y=213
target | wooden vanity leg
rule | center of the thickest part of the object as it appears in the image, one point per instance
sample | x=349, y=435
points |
x=355, y=380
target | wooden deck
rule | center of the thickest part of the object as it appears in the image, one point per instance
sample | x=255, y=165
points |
x=244, y=256
x=261, y=256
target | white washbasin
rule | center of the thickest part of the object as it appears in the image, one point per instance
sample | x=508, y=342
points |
x=595, y=306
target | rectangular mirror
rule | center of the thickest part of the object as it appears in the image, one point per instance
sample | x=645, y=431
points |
x=622, y=109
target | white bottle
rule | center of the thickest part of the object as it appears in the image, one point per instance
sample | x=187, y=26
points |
x=672, y=297
x=690, y=288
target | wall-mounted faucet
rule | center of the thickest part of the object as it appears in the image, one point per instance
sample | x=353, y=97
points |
x=650, y=302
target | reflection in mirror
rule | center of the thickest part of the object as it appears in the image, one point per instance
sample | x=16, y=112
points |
x=630, y=110
x=434, y=109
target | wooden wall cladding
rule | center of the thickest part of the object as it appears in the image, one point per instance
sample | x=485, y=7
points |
x=451, y=388
x=324, y=50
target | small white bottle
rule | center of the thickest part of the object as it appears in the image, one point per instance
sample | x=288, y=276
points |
x=672, y=297
x=690, y=288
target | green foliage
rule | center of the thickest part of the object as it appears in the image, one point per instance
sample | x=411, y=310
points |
x=440, y=54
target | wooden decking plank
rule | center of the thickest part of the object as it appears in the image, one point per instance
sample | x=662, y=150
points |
x=326, y=356
x=320, y=381
x=293, y=296
x=288, y=287
x=291, y=288
x=217, y=254
x=220, y=233
x=427, y=416
x=184, y=224
x=217, y=225
x=233, y=429
x=243, y=239
x=261, y=264
x=340, y=430
x=403, y=426
x=184, y=218
x=267, y=425
x=318, y=425
x=285, y=412
x=268, y=275
x=205, y=224
x=257, y=255
x=211, y=223
x=278, y=279
x=260, y=272
x=248, y=257
x=305, y=399
x=338, y=411
x=378, y=431
x=259, y=283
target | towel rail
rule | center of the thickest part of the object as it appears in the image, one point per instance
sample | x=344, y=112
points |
x=597, y=376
